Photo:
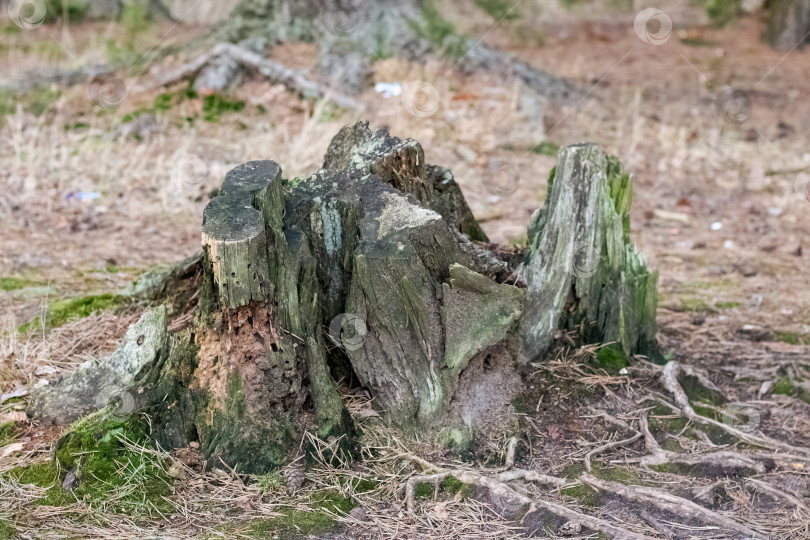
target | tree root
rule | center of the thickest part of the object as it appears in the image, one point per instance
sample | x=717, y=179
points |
x=669, y=378
x=615, y=444
x=292, y=79
x=670, y=503
x=511, y=450
x=496, y=486
x=659, y=456
x=60, y=77
x=778, y=493
x=497, y=482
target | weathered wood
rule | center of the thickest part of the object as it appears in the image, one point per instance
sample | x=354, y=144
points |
x=234, y=239
x=373, y=254
x=224, y=62
x=582, y=271
x=402, y=164
x=788, y=23
x=96, y=383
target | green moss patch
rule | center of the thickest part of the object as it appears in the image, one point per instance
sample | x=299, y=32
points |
x=727, y=305
x=546, y=148
x=423, y=490
x=716, y=434
x=13, y=283
x=69, y=309
x=585, y=495
x=793, y=338
x=785, y=386
x=7, y=531
x=294, y=522
x=440, y=33
x=215, y=105
x=722, y=12
x=696, y=392
x=8, y=433
x=611, y=358
x=621, y=475
x=499, y=10
x=694, y=305
x=35, y=100
x=448, y=486
x=111, y=474
x=364, y=485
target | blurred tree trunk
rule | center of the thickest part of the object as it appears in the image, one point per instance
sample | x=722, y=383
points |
x=788, y=23
x=351, y=35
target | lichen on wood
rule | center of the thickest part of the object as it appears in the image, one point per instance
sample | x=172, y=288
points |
x=377, y=237
x=96, y=383
x=582, y=271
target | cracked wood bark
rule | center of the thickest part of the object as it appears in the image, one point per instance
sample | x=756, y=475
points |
x=367, y=269
x=583, y=273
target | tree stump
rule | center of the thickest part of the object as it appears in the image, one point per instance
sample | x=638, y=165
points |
x=787, y=23
x=372, y=270
x=351, y=35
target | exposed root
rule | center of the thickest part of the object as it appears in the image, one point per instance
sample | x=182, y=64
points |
x=669, y=378
x=498, y=489
x=655, y=524
x=778, y=493
x=670, y=503
x=616, y=444
x=723, y=459
x=511, y=449
x=292, y=79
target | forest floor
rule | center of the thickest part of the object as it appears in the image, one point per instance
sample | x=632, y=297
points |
x=95, y=195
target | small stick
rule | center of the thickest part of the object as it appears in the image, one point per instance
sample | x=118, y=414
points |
x=511, y=449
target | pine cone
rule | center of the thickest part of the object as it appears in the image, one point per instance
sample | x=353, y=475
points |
x=294, y=477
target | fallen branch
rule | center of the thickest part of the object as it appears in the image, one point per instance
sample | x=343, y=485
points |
x=292, y=79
